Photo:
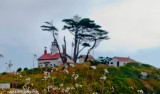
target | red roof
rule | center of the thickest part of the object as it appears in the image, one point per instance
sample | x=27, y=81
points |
x=125, y=59
x=47, y=56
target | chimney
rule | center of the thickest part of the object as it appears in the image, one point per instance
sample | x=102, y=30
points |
x=45, y=50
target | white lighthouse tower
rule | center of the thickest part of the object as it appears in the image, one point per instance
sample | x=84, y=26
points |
x=54, y=48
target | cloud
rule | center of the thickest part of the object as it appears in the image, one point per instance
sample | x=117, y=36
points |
x=20, y=21
x=132, y=24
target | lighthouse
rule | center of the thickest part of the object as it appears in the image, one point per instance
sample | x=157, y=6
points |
x=53, y=58
x=54, y=48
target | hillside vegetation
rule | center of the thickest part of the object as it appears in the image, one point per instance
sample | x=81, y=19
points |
x=86, y=78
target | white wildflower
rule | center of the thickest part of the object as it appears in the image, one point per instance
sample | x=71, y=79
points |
x=56, y=88
x=78, y=85
x=20, y=76
x=131, y=87
x=103, y=77
x=93, y=67
x=75, y=76
x=94, y=93
x=72, y=88
x=45, y=78
x=53, y=68
x=72, y=65
x=16, y=73
x=45, y=72
x=140, y=91
x=48, y=88
x=67, y=90
x=106, y=71
x=28, y=80
x=61, y=85
x=112, y=89
x=34, y=91
x=66, y=71
x=31, y=84
x=56, y=69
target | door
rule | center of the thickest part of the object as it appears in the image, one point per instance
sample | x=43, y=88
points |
x=117, y=63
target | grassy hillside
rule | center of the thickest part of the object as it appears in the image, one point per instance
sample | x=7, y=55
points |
x=87, y=79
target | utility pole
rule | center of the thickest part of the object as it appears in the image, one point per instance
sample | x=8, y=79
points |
x=34, y=57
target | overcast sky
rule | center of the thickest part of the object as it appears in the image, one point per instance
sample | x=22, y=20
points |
x=132, y=25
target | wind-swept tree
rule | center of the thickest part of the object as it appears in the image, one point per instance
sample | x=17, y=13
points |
x=85, y=31
x=97, y=35
x=51, y=28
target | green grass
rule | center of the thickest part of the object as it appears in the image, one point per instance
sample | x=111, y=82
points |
x=121, y=78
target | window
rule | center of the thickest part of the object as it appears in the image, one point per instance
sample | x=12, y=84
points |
x=111, y=63
x=46, y=64
x=54, y=64
x=51, y=64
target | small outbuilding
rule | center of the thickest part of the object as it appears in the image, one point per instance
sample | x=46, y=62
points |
x=120, y=61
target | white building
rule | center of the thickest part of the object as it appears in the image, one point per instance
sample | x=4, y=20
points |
x=53, y=58
x=4, y=85
x=120, y=61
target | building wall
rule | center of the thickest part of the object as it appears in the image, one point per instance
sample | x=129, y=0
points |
x=69, y=60
x=4, y=85
x=81, y=60
x=50, y=63
x=114, y=61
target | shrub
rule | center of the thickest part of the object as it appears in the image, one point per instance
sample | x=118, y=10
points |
x=19, y=69
x=25, y=69
x=95, y=62
x=4, y=73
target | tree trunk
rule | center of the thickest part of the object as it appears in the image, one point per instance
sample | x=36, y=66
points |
x=75, y=48
x=58, y=47
x=64, y=51
x=90, y=50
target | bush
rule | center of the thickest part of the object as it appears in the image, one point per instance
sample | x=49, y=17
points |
x=19, y=69
x=94, y=62
x=146, y=65
x=25, y=69
x=4, y=73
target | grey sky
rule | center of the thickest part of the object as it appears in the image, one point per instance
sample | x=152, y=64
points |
x=21, y=36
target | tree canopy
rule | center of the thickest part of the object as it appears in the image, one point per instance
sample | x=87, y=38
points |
x=85, y=33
